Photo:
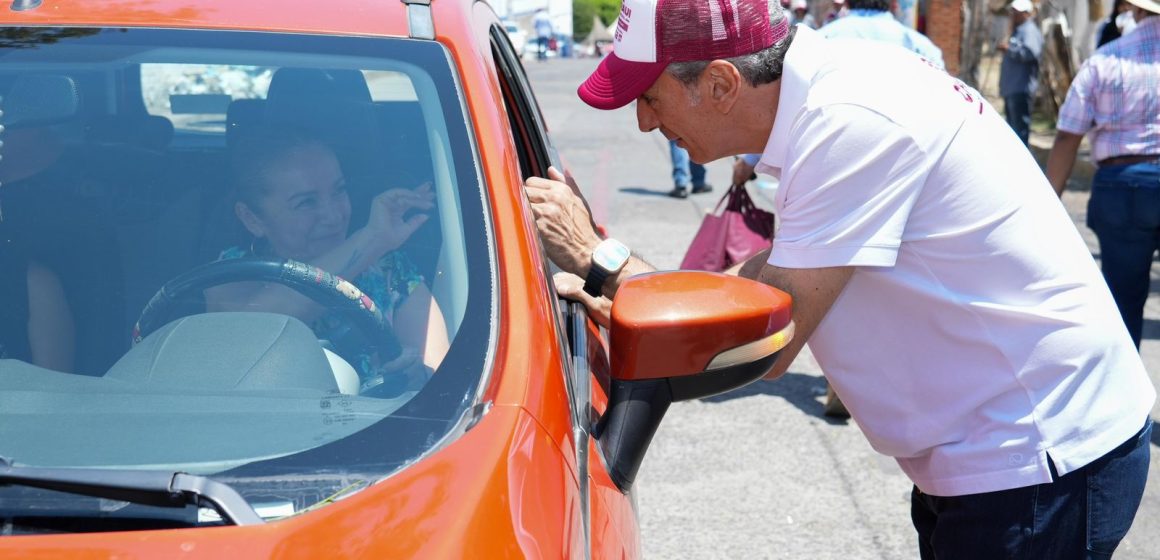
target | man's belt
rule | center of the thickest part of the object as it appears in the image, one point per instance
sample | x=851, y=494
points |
x=1129, y=160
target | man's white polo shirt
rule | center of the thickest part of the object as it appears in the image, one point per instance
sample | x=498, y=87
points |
x=976, y=340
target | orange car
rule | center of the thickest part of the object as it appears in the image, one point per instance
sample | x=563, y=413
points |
x=186, y=187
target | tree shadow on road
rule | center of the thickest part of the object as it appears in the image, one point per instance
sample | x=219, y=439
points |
x=799, y=389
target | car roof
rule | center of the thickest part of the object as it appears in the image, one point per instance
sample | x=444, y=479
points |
x=346, y=17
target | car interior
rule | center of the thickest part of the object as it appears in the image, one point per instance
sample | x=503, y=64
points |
x=117, y=201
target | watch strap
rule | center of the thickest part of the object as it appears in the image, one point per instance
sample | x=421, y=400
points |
x=594, y=282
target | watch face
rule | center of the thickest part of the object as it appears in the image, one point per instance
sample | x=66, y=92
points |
x=610, y=255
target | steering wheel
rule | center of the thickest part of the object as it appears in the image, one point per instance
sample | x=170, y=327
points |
x=331, y=291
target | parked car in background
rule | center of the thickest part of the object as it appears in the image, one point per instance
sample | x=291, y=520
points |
x=518, y=36
x=298, y=424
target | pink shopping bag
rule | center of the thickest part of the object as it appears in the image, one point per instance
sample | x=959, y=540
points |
x=728, y=237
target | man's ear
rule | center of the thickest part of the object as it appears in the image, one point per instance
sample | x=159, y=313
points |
x=252, y=222
x=723, y=85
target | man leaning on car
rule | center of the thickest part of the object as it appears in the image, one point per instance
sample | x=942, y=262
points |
x=994, y=368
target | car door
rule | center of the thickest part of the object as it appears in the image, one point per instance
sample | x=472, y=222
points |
x=609, y=514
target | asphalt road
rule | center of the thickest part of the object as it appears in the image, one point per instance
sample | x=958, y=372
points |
x=760, y=472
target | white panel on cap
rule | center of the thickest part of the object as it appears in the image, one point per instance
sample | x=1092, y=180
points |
x=635, y=32
x=736, y=17
x=717, y=21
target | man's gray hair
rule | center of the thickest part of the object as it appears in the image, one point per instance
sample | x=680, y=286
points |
x=761, y=67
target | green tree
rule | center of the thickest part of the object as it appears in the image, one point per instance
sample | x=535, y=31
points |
x=608, y=10
x=583, y=10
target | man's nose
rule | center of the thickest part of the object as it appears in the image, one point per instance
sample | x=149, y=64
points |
x=646, y=118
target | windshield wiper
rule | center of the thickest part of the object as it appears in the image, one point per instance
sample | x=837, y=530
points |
x=154, y=488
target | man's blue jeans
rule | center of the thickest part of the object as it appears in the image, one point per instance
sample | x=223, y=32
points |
x=1124, y=213
x=1018, y=109
x=1081, y=515
x=542, y=47
x=685, y=171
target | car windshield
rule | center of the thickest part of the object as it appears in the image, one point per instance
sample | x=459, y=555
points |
x=258, y=257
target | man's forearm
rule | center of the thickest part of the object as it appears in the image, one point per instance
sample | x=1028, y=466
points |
x=814, y=291
x=1061, y=159
x=634, y=266
x=751, y=267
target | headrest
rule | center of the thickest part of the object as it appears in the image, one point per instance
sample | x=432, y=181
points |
x=155, y=132
x=290, y=84
x=42, y=99
x=333, y=105
x=241, y=115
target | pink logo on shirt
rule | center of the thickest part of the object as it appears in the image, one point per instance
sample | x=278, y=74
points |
x=968, y=94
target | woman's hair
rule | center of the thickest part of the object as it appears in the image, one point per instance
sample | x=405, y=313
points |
x=759, y=68
x=259, y=150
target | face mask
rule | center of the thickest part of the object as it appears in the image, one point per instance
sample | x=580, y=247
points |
x=1126, y=22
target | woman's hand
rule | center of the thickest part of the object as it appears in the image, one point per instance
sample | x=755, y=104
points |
x=389, y=226
x=572, y=287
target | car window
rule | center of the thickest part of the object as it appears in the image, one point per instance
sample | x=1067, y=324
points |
x=535, y=155
x=198, y=96
x=523, y=112
x=238, y=255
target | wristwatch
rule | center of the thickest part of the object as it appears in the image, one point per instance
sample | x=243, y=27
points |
x=607, y=259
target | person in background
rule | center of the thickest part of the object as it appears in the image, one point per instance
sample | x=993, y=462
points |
x=542, y=25
x=1019, y=73
x=687, y=175
x=1115, y=97
x=801, y=14
x=873, y=20
x=838, y=10
x=1119, y=23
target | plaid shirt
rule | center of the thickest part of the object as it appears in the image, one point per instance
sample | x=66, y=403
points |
x=1116, y=95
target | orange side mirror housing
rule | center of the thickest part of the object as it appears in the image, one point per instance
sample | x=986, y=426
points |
x=678, y=336
x=674, y=324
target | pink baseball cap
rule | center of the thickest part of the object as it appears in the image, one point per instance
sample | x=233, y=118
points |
x=651, y=34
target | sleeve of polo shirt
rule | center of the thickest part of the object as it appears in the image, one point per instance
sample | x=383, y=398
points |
x=850, y=181
x=1078, y=113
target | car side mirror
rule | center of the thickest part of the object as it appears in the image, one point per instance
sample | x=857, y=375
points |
x=679, y=336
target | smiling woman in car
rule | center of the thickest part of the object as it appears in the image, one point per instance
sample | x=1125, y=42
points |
x=291, y=198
